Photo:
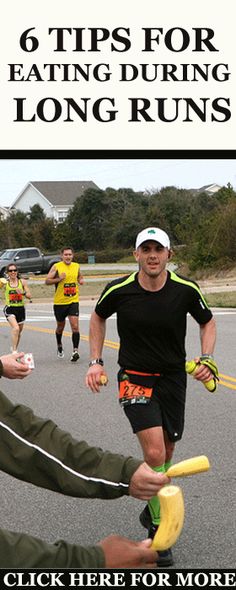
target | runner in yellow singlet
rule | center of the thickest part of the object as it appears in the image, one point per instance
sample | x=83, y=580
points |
x=66, y=277
x=16, y=290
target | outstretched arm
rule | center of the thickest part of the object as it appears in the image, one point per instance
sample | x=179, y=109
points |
x=26, y=289
x=80, y=279
x=97, y=333
x=208, y=339
x=19, y=550
x=35, y=450
x=13, y=366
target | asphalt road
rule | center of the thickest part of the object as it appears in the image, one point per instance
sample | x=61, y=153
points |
x=56, y=389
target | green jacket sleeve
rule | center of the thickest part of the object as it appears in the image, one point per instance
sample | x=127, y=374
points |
x=37, y=451
x=23, y=551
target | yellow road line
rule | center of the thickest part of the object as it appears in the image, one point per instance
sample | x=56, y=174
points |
x=114, y=346
x=107, y=343
x=227, y=377
x=229, y=385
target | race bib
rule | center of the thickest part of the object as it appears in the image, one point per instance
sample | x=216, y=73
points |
x=131, y=393
x=15, y=297
x=69, y=289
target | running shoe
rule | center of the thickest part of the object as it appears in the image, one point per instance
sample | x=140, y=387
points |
x=75, y=356
x=60, y=352
x=165, y=558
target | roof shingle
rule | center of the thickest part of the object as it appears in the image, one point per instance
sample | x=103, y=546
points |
x=63, y=192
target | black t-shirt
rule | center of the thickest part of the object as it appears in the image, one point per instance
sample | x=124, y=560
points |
x=152, y=325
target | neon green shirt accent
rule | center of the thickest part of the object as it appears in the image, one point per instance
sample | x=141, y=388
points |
x=125, y=282
x=178, y=279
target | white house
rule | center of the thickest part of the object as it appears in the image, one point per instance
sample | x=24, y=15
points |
x=55, y=197
x=4, y=212
x=210, y=189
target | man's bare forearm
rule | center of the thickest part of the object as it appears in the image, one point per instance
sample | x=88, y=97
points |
x=97, y=333
x=208, y=337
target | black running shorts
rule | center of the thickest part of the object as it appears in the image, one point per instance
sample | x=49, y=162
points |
x=61, y=312
x=18, y=312
x=166, y=407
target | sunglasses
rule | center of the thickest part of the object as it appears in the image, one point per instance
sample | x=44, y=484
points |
x=12, y=270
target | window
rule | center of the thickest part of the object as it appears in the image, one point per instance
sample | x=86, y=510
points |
x=33, y=253
x=20, y=255
x=61, y=216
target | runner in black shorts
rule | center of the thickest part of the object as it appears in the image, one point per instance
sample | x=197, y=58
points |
x=16, y=289
x=152, y=306
x=18, y=313
x=66, y=277
x=166, y=406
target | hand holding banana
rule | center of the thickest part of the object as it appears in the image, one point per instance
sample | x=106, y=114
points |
x=172, y=503
x=103, y=380
x=3, y=282
x=191, y=367
x=172, y=518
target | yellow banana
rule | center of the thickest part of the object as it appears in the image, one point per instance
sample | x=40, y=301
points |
x=190, y=368
x=3, y=282
x=172, y=517
x=189, y=466
x=103, y=380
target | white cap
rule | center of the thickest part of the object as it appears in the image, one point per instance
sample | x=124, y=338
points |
x=153, y=233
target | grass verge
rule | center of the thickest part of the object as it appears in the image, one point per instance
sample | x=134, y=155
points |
x=223, y=299
x=93, y=289
x=41, y=291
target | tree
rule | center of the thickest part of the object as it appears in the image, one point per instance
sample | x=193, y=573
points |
x=86, y=219
x=170, y=208
x=22, y=229
x=110, y=220
x=128, y=210
x=97, y=219
x=16, y=226
x=36, y=214
x=213, y=240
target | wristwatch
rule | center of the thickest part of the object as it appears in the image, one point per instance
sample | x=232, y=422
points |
x=96, y=362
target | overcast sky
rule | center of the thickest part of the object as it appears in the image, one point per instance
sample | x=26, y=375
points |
x=136, y=173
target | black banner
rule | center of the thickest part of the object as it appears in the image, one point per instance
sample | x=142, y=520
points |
x=138, y=579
